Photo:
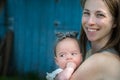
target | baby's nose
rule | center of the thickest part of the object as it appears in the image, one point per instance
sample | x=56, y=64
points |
x=69, y=57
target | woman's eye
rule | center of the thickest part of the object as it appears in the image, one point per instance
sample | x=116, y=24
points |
x=100, y=15
x=86, y=13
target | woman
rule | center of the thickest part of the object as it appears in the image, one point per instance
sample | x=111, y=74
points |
x=101, y=28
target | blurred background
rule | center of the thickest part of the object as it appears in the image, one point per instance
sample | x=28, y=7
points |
x=27, y=33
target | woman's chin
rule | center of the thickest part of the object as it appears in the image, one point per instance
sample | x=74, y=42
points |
x=91, y=39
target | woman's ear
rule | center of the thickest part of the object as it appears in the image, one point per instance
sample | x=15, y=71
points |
x=114, y=25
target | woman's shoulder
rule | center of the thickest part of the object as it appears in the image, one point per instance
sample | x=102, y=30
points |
x=105, y=59
x=108, y=62
x=104, y=65
x=102, y=57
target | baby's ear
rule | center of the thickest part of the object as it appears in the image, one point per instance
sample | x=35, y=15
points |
x=56, y=61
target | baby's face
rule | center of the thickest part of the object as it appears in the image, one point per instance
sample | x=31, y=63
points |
x=68, y=51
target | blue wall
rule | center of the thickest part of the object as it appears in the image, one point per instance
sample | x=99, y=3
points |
x=34, y=23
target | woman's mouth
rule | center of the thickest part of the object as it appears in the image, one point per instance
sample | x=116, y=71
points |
x=92, y=29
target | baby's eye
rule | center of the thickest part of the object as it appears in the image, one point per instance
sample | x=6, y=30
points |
x=62, y=55
x=73, y=54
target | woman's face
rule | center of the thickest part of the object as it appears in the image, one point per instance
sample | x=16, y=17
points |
x=97, y=21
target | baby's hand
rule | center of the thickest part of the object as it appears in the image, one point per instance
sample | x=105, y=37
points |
x=67, y=72
x=71, y=65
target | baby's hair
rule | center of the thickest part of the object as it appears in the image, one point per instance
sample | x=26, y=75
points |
x=61, y=36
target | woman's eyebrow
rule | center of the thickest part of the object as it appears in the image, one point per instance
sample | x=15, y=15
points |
x=86, y=10
x=99, y=11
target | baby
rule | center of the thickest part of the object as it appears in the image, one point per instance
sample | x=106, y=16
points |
x=67, y=56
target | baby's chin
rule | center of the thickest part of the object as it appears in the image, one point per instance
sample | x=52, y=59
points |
x=62, y=67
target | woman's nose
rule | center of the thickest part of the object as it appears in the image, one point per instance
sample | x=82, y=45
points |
x=91, y=21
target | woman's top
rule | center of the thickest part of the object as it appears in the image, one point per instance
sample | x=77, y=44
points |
x=52, y=75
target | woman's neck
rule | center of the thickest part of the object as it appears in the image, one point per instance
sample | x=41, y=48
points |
x=96, y=46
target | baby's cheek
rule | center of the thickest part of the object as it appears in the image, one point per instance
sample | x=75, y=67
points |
x=62, y=65
x=78, y=62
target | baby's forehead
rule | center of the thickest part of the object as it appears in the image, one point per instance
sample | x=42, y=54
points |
x=68, y=42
